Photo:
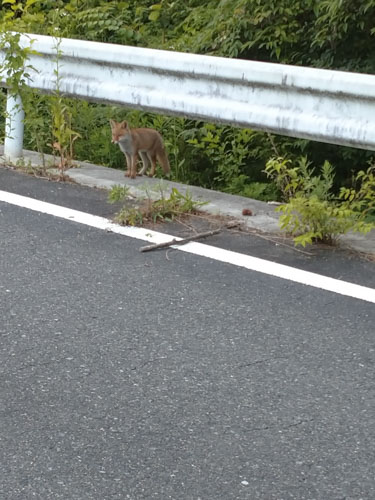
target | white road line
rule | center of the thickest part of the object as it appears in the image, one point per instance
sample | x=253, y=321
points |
x=219, y=254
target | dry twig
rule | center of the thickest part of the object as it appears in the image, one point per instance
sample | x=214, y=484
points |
x=197, y=236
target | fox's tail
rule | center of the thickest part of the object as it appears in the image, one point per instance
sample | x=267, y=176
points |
x=163, y=160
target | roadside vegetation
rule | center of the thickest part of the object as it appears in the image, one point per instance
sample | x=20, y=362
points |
x=311, y=211
x=333, y=34
x=154, y=206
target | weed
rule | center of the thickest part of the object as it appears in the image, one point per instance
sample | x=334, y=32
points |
x=131, y=216
x=118, y=193
x=63, y=134
x=164, y=208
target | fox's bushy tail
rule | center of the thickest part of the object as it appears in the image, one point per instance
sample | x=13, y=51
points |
x=163, y=160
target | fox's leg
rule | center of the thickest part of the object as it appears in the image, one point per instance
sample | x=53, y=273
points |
x=152, y=159
x=133, y=169
x=145, y=161
x=128, y=164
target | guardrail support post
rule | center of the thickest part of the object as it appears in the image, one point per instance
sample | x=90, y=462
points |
x=13, y=144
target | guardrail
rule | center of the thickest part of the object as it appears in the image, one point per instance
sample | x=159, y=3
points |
x=322, y=105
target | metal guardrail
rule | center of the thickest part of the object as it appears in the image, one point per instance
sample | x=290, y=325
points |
x=328, y=106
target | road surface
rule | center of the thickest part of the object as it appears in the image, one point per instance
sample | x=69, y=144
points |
x=175, y=376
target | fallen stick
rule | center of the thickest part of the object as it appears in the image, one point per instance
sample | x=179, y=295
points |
x=148, y=248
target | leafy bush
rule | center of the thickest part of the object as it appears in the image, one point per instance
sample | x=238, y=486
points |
x=311, y=220
x=265, y=191
x=291, y=180
x=312, y=212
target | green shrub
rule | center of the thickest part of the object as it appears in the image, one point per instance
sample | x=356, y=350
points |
x=264, y=191
x=312, y=212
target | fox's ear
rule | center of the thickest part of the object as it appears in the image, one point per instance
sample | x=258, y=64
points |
x=112, y=123
x=124, y=124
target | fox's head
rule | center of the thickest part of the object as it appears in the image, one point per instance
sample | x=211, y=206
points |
x=119, y=129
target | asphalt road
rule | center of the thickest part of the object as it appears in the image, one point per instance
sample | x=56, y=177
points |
x=136, y=376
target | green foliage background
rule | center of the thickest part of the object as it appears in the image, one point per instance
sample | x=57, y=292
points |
x=335, y=34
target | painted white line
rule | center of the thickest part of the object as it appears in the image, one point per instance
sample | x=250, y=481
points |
x=203, y=250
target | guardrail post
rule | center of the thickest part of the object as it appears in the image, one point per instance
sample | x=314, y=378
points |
x=13, y=144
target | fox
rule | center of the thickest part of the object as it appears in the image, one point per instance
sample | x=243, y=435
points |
x=145, y=142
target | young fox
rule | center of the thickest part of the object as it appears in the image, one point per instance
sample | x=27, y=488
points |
x=146, y=142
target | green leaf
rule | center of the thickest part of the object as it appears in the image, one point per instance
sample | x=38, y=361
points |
x=156, y=6
x=29, y=3
x=154, y=16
